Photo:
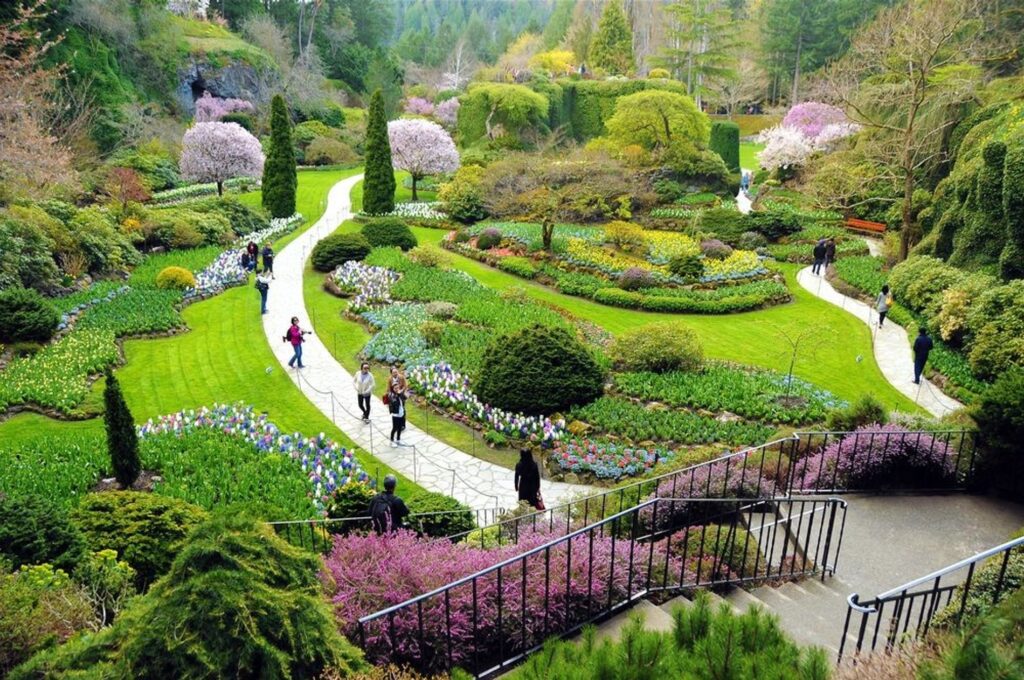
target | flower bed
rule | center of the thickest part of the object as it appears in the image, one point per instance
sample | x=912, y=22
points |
x=71, y=306
x=605, y=459
x=419, y=210
x=371, y=286
x=398, y=337
x=327, y=464
x=198, y=190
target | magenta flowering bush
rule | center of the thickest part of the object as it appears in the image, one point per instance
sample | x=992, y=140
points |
x=604, y=459
x=878, y=457
x=211, y=109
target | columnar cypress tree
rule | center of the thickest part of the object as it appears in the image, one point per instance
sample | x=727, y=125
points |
x=725, y=141
x=612, y=48
x=279, y=177
x=122, y=441
x=379, y=175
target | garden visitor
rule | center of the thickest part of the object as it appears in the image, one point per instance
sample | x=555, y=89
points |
x=882, y=304
x=397, y=382
x=819, y=256
x=245, y=260
x=294, y=335
x=396, y=405
x=386, y=509
x=527, y=479
x=364, y=384
x=253, y=251
x=922, y=346
x=830, y=252
x=268, y=259
x=263, y=286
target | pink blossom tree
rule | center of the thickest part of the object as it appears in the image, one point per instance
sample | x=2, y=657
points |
x=811, y=118
x=421, y=147
x=447, y=112
x=215, y=152
x=210, y=108
x=418, y=106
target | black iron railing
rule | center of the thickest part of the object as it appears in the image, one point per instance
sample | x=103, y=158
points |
x=908, y=611
x=487, y=621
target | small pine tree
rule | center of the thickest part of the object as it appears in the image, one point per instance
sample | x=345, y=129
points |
x=279, y=176
x=612, y=48
x=379, y=175
x=122, y=441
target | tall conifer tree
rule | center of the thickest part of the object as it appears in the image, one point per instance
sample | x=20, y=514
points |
x=122, y=440
x=279, y=176
x=379, y=176
x=612, y=48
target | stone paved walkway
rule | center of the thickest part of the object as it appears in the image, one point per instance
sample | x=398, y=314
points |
x=891, y=346
x=424, y=459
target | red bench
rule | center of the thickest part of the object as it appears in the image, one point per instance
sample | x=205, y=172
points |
x=864, y=225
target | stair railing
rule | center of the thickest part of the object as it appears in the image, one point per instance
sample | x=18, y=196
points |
x=909, y=610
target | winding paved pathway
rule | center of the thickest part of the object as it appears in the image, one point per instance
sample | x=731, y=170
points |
x=891, y=346
x=424, y=459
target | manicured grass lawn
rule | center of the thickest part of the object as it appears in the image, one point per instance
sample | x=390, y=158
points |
x=748, y=155
x=402, y=194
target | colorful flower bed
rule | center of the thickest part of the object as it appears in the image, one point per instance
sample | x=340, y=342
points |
x=99, y=292
x=662, y=246
x=419, y=210
x=370, y=285
x=198, y=190
x=604, y=459
x=398, y=337
x=327, y=464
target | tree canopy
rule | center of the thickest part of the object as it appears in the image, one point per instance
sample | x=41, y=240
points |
x=657, y=119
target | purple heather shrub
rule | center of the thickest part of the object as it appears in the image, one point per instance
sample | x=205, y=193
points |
x=636, y=278
x=488, y=238
x=878, y=457
x=714, y=249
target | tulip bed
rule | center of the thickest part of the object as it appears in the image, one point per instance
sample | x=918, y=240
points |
x=606, y=459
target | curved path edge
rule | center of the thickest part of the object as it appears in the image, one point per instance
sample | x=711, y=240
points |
x=891, y=347
x=429, y=462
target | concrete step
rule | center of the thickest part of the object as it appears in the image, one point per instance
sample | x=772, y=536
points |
x=654, y=618
x=678, y=601
x=742, y=600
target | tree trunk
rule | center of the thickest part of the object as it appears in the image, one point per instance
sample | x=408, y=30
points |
x=908, y=203
x=796, y=72
x=414, y=197
x=220, y=187
x=547, y=232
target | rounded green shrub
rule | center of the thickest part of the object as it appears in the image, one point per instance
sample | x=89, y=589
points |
x=659, y=73
x=348, y=501
x=178, y=278
x=463, y=197
x=385, y=232
x=864, y=411
x=658, y=347
x=488, y=238
x=456, y=517
x=25, y=315
x=146, y=530
x=33, y=530
x=687, y=267
x=338, y=249
x=432, y=330
x=539, y=370
x=243, y=119
x=1000, y=418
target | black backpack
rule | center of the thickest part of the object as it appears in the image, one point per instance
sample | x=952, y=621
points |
x=380, y=513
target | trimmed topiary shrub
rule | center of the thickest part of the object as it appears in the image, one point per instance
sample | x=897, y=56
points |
x=33, y=530
x=488, y=238
x=146, y=530
x=337, y=249
x=280, y=179
x=456, y=520
x=462, y=198
x=177, y=278
x=348, y=501
x=725, y=141
x=636, y=278
x=243, y=119
x=26, y=315
x=538, y=370
x=688, y=267
x=658, y=347
x=379, y=175
x=387, y=232
x=1000, y=418
x=122, y=439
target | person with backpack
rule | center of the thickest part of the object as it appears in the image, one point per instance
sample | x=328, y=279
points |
x=830, y=252
x=396, y=406
x=882, y=304
x=922, y=346
x=527, y=479
x=263, y=286
x=819, y=256
x=254, y=252
x=364, y=384
x=294, y=335
x=268, y=259
x=386, y=509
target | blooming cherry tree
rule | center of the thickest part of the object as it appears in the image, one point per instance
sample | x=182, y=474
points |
x=210, y=108
x=785, y=148
x=811, y=118
x=421, y=147
x=447, y=112
x=419, y=106
x=215, y=152
x=191, y=9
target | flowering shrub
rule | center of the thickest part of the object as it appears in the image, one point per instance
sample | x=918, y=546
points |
x=418, y=106
x=807, y=128
x=440, y=384
x=784, y=148
x=635, y=278
x=878, y=457
x=419, y=210
x=605, y=459
x=196, y=190
x=447, y=112
x=812, y=118
x=210, y=108
x=371, y=285
x=327, y=464
x=714, y=249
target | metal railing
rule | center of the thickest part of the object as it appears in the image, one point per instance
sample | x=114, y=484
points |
x=488, y=621
x=908, y=611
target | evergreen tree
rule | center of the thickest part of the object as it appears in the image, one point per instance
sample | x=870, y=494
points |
x=279, y=177
x=122, y=441
x=703, y=51
x=612, y=48
x=379, y=176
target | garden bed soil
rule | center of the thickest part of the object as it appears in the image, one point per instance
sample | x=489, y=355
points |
x=147, y=481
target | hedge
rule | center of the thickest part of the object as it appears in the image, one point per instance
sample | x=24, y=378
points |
x=725, y=141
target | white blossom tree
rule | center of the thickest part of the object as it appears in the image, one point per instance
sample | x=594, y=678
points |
x=421, y=148
x=785, y=148
x=216, y=152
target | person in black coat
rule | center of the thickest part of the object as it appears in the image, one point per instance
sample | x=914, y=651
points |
x=922, y=346
x=819, y=256
x=528, y=478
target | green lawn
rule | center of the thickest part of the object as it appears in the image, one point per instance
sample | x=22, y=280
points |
x=402, y=194
x=748, y=155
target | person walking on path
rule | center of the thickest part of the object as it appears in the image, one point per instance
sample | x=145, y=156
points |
x=294, y=335
x=364, y=384
x=397, y=383
x=527, y=479
x=830, y=252
x=882, y=304
x=922, y=346
x=819, y=256
x=386, y=509
x=396, y=406
x=268, y=259
x=263, y=286
x=254, y=254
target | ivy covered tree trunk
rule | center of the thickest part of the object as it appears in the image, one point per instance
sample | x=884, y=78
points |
x=379, y=175
x=1011, y=261
x=280, y=179
x=122, y=440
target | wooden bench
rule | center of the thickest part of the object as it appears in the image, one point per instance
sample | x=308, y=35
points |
x=864, y=225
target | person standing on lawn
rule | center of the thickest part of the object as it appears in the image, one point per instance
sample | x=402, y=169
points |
x=922, y=346
x=294, y=335
x=830, y=252
x=263, y=286
x=386, y=509
x=527, y=479
x=819, y=256
x=396, y=406
x=364, y=384
x=268, y=259
x=882, y=304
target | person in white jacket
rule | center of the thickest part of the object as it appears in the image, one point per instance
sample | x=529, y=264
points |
x=364, y=384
